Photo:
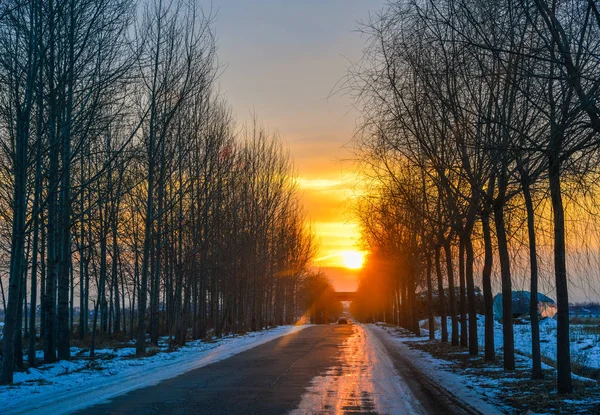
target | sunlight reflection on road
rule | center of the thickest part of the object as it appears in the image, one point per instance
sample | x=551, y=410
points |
x=363, y=382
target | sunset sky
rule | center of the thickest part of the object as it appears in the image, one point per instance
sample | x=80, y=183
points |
x=283, y=60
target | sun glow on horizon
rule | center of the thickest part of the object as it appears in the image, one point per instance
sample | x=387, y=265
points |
x=353, y=259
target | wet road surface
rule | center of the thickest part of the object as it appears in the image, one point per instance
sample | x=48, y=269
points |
x=331, y=369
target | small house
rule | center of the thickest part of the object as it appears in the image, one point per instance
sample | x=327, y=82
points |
x=520, y=305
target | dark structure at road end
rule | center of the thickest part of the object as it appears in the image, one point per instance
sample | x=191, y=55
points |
x=345, y=295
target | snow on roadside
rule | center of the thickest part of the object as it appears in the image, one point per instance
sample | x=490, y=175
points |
x=66, y=387
x=464, y=388
x=515, y=392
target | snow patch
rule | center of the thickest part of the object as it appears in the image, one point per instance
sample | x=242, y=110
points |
x=460, y=386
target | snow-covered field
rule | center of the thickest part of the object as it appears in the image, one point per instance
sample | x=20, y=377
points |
x=585, y=342
x=585, y=345
x=65, y=387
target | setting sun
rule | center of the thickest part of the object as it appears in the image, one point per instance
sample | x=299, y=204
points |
x=353, y=259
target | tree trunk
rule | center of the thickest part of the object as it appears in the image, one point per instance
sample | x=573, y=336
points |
x=452, y=295
x=441, y=295
x=507, y=314
x=486, y=277
x=64, y=267
x=430, y=300
x=536, y=369
x=19, y=205
x=53, y=181
x=34, y=266
x=115, y=276
x=563, y=354
x=462, y=293
x=471, y=301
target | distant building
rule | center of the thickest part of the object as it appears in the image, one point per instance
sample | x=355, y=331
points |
x=520, y=305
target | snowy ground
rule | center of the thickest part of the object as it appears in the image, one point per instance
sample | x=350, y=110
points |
x=585, y=340
x=513, y=392
x=436, y=371
x=66, y=387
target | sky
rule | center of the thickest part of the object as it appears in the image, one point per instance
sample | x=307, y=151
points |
x=283, y=59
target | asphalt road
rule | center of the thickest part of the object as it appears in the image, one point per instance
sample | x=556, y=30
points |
x=321, y=369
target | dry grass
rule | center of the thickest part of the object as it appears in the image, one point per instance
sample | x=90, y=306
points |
x=103, y=341
x=587, y=320
x=152, y=351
